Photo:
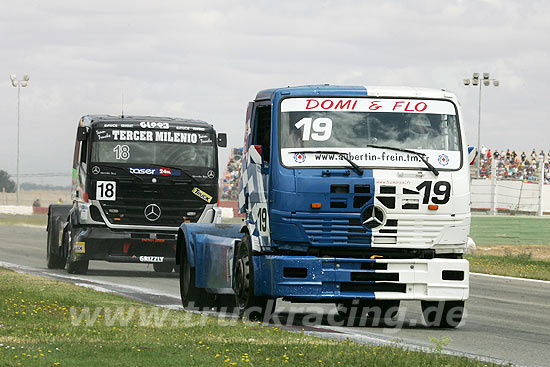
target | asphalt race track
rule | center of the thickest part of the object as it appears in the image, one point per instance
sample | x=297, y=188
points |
x=507, y=319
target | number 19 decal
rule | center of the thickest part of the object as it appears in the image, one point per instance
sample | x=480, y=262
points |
x=105, y=190
x=440, y=188
x=261, y=218
x=322, y=128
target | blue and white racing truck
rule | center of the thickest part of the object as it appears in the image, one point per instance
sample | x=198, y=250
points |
x=352, y=195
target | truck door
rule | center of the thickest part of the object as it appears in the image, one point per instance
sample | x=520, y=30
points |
x=79, y=168
x=256, y=179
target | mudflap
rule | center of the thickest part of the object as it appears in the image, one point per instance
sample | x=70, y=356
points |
x=209, y=248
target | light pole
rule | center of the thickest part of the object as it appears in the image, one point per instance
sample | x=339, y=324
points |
x=18, y=84
x=486, y=81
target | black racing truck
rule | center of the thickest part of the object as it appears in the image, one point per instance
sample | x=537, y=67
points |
x=135, y=179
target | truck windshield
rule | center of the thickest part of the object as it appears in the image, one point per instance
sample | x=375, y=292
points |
x=364, y=130
x=170, y=148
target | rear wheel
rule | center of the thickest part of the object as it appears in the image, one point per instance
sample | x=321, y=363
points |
x=444, y=314
x=73, y=267
x=250, y=306
x=55, y=228
x=191, y=296
x=163, y=267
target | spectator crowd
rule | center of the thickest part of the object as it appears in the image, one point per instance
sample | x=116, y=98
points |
x=511, y=165
x=231, y=175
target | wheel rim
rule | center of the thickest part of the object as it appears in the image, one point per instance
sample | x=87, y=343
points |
x=242, y=281
x=239, y=281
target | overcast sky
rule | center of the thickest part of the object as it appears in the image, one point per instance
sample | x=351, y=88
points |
x=207, y=60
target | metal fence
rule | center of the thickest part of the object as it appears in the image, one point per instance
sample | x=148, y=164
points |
x=512, y=188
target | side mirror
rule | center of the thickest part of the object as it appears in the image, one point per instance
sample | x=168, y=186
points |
x=222, y=140
x=81, y=133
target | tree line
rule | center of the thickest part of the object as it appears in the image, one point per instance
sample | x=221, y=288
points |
x=6, y=183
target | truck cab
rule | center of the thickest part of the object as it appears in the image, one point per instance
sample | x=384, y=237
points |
x=135, y=179
x=354, y=195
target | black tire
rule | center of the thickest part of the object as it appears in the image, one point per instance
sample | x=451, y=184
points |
x=344, y=309
x=383, y=309
x=73, y=267
x=443, y=314
x=225, y=303
x=163, y=267
x=191, y=296
x=388, y=308
x=53, y=260
x=249, y=305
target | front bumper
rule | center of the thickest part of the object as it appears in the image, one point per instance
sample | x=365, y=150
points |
x=311, y=278
x=102, y=243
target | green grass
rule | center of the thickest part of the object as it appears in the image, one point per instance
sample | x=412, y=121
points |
x=521, y=265
x=36, y=328
x=35, y=219
x=510, y=230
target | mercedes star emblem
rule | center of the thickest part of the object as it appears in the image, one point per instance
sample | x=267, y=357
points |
x=96, y=170
x=211, y=174
x=373, y=217
x=152, y=212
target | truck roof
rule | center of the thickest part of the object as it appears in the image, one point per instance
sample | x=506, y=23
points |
x=377, y=91
x=90, y=120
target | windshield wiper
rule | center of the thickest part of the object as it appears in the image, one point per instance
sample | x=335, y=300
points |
x=117, y=167
x=354, y=165
x=422, y=156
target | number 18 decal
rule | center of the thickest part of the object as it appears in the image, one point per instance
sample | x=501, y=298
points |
x=122, y=152
x=105, y=190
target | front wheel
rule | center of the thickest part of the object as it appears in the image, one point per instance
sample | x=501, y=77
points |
x=250, y=306
x=389, y=309
x=383, y=309
x=444, y=314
